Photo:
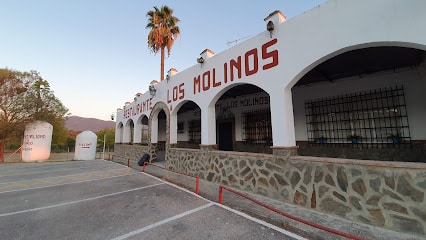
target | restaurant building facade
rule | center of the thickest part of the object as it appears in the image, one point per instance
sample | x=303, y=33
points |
x=325, y=111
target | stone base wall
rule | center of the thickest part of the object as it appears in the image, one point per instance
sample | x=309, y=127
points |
x=414, y=152
x=390, y=195
x=186, y=144
x=252, y=147
x=383, y=194
x=135, y=152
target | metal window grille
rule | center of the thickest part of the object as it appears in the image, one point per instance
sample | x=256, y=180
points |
x=373, y=118
x=194, y=131
x=132, y=132
x=256, y=126
x=144, y=137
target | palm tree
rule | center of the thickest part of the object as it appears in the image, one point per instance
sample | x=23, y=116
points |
x=163, y=33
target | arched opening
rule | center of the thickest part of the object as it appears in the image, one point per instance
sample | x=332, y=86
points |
x=128, y=134
x=141, y=130
x=162, y=135
x=243, y=120
x=189, y=126
x=364, y=104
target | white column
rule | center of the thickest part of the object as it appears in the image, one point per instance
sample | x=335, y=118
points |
x=118, y=133
x=282, y=119
x=173, y=128
x=208, y=125
x=154, y=129
x=137, y=135
x=126, y=133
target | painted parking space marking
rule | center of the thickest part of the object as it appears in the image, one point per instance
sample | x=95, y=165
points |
x=278, y=229
x=54, y=181
x=68, y=183
x=159, y=223
x=78, y=201
x=10, y=171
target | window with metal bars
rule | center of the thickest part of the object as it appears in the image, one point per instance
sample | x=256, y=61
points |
x=144, y=136
x=256, y=126
x=194, y=131
x=372, y=118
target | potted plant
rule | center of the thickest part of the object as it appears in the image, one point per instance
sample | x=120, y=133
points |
x=322, y=140
x=396, y=138
x=354, y=138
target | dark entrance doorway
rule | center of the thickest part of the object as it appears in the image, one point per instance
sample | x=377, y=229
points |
x=226, y=136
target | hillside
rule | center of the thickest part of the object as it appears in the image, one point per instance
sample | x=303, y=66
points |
x=87, y=124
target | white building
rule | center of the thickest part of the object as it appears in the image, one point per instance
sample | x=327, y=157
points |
x=342, y=81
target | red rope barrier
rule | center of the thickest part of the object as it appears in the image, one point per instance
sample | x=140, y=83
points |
x=346, y=235
x=120, y=156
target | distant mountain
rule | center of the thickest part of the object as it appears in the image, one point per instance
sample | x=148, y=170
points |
x=87, y=124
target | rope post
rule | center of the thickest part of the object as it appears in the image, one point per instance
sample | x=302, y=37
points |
x=197, y=184
x=144, y=166
x=220, y=194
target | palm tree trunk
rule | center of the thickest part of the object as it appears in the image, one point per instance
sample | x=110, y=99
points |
x=162, y=64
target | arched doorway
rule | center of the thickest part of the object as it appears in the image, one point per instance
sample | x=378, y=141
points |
x=162, y=136
x=243, y=120
x=158, y=132
x=189, y=126
x=128, y=132
x=141, y=130
x=363, y=103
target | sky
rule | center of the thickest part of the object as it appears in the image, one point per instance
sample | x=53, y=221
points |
x=94, y=53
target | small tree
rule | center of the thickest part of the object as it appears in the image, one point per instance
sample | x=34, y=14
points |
x=109, y=139
x=26, y=97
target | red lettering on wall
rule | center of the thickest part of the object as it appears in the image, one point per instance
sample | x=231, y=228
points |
x=175, y=93
x=233, y=68
x=207, y=80
x=206, y=86
x=144, y=105
x=181, y=91
x=273, y=54
x=235, y=64
x=215, y=84
x=225, y=72
x=247, y=69
x=168, y=98
x=197, y=84
x=178, y=92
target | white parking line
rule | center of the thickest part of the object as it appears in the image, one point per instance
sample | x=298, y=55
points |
x=44, y=169
x=71, y=175
x=79, y=201
x=141, y=230
x=68, y=183
x=278, y=229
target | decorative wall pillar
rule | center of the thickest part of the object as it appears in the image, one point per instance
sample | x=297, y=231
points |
x=282, y=155
x=208, y=125
x=282, y=118
x=210, y=147
x=137, y=133
x=173, y=128
x=153, y=152
x=126, y=133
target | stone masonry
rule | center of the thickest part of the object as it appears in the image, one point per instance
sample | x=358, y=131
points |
x=389, y=195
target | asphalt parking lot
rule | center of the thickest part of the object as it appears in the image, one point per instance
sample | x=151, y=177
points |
x=104, y=200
